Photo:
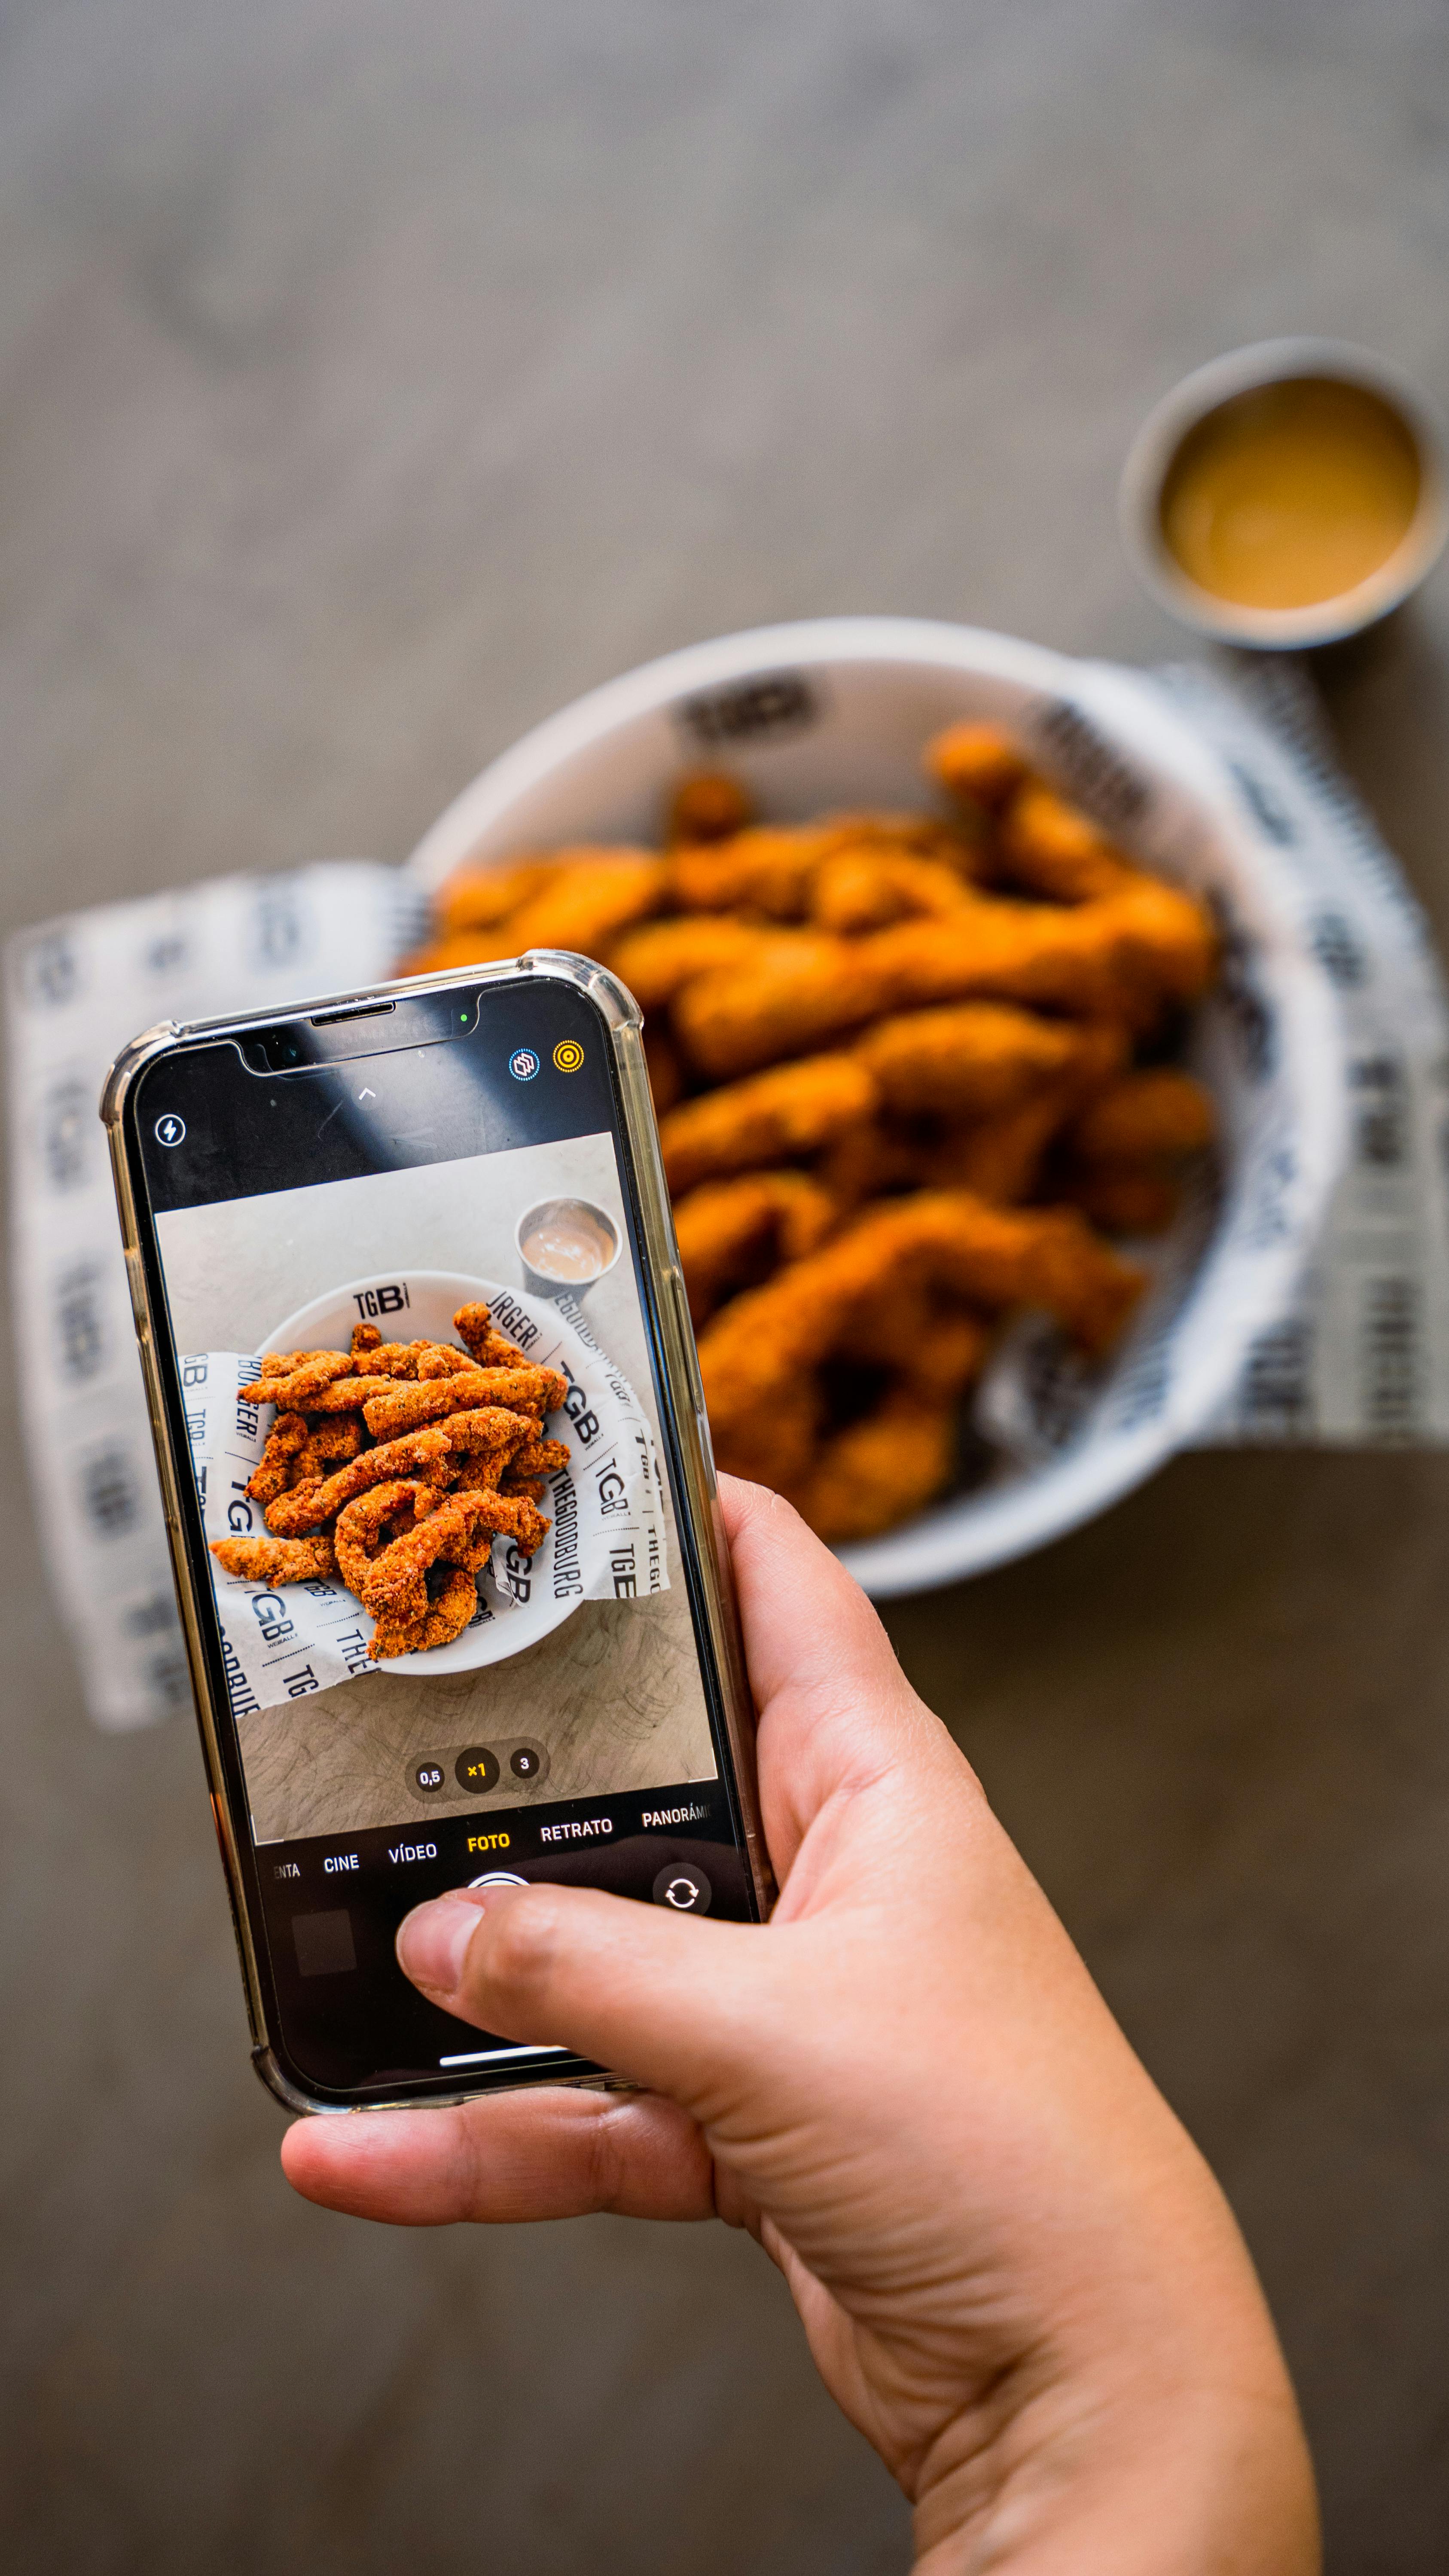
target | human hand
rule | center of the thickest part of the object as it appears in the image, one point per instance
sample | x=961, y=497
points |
x=1016, y=2274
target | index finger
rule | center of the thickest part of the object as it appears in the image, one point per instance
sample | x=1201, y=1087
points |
x=526, y=2155
x=836, y=1712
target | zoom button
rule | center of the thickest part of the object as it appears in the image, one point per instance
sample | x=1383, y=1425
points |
x=476, y=1770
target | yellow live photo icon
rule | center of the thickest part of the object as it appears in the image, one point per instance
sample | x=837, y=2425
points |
x=568, y=1055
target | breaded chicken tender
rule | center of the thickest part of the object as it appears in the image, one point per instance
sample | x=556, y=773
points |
x=275, y=1561
x=328, y=1445
x=1142, y=1117
x=487, y=1347
x=776, y=1117
x=1056, y=851
x=866, y=889
x=287, y=1438
x=521, y=1390
x=978, y=761
x=767, y=869
x=879, y=1470
x=792, y=999
x=480, y=897
x=367, y=1526
x=975, y=1059
x=310, y=1506
x=871, y=1161
x=446, y=1616
x=755, y=1354
x=657, y=960
x=461, y=1532
x=303, y=1385
x=1122, y=1198
x=588, y=898
x=732, y=1234
x=1000, y=1159
x=708, y=805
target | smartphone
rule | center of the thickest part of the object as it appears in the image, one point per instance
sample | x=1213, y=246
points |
x=347, y=1176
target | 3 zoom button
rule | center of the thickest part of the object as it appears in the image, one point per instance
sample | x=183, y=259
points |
x=683, y=1885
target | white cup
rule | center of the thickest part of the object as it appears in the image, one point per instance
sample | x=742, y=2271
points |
x=1280, y=362
x=559, y=1240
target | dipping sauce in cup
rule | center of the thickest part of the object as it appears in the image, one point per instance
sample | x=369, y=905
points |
x=567, y=1243
x=1287, y=495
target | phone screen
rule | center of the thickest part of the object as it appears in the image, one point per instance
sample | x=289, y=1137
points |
x=535, y=1696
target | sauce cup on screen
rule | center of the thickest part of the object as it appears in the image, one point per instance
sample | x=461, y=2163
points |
x=1287, y=495
x=565, y=1246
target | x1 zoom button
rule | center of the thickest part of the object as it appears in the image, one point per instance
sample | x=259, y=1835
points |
x=683, y=1885
x=476, y=1770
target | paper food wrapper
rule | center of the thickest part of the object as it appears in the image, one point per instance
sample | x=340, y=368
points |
x=76, y=991
x=1349, y=1340
x=606, y=1538
x=1358, y=1354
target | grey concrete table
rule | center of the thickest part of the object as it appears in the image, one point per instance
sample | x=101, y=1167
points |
x=371, y=379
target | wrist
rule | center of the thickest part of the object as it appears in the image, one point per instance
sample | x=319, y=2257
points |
x=1187, y=2480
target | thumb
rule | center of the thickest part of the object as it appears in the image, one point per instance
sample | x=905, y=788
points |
x=672, y=2002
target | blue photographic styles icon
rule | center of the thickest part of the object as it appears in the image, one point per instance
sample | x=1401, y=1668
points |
x=523, y=1065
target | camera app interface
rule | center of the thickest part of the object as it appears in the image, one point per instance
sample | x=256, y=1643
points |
x=453, y=1603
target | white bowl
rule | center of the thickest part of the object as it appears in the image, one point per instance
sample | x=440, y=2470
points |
x=835, y=713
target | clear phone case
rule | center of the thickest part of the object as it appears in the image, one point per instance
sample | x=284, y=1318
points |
x=682, y=1396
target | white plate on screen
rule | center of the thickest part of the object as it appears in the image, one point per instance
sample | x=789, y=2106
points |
x=420, y=1304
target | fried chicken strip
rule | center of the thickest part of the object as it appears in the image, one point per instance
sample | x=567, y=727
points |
x=1156, y=1113
x=286, y=1439
x=1052, y=848
x=1126, y=956
x=329, y=1444
x=589, y=896
x=304, y=1385
x=368, y=1524
x=878, y=1471
x=482, y=896
x=460, y=1530
x=521, y=1390
x=768, y=868
x=754, y=1356
x=865, y=889
x=794, y=997
x=489, y=1427
x=1124, y=1198
x=445, y=1618
x=275, y=1561
x=487, y=1347
x=309, y=1507
x=732, y=1234
x=774, y=1118
x=657, y=960
x=707, y=805
x=974, y=1060
x=977, y=761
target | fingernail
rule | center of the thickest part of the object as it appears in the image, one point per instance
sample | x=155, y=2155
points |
x=432, y=1939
